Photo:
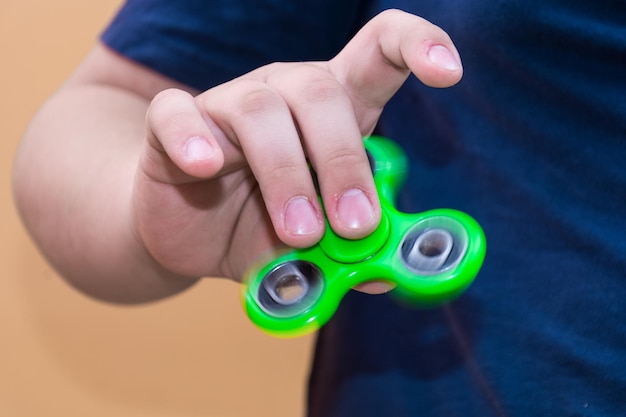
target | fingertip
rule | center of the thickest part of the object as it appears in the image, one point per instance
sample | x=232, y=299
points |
x=356, y=213
x=198, y=149
x=444, y=58
x=301, y=223
x=301, y=217
x=299, y=241
x=375, y=287
x=202, y=157
x=444, y=67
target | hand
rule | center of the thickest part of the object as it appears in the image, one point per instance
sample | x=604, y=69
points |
x=223, y=176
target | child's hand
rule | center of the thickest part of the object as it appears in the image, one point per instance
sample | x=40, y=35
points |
x=224, y=176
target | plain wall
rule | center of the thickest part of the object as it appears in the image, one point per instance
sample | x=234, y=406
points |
x=63, y=354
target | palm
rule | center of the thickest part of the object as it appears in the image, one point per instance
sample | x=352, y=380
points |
x=202, y=228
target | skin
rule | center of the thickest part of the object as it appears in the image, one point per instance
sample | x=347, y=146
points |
x=135, y=186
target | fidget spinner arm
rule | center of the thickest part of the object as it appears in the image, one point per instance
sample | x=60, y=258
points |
x=430, y=257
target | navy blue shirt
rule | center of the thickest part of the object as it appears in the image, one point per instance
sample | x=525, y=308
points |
x=532, y=143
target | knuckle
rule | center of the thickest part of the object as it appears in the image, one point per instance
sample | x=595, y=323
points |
x=171, y=125
x=287, y=168
x=387, y=19
x=168, y=94
x=322, y=90
x=167, y=99
x=344, y=159
x=390, y=14
x=394, y=16
x=256, y=98
x=397, y=20
x=166, y=108
x=274, y=67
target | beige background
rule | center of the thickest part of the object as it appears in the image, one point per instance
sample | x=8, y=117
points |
x=62, y=354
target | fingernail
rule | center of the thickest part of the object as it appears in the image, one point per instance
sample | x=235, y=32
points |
x=442, y=57
x=354, y=209
x=199, y=149
x=300, y=217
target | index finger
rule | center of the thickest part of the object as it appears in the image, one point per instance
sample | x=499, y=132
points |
x=380, y=57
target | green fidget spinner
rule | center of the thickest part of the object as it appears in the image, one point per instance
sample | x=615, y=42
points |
x=431, y=257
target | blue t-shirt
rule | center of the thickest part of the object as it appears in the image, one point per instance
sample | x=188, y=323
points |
x=532, y=143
